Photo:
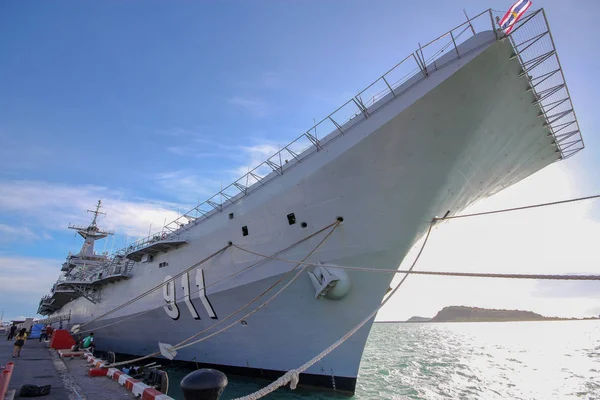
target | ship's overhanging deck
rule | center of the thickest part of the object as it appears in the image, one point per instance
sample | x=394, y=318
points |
x=539, y=66
x=57, y=300
x=68, y=284
x=162, y=246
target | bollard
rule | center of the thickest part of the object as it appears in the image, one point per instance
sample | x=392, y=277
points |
x=203, y=384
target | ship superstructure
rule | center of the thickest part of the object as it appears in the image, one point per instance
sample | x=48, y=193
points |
x=84, y=273
x=468, y=114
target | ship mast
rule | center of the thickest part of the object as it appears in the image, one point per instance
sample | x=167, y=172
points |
x=91, y=233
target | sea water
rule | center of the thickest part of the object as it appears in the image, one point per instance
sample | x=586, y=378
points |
x=495, y=360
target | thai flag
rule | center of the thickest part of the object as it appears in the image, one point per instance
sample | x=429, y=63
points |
x=512, y=16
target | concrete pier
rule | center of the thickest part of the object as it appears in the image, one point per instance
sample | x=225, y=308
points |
x=39, y=365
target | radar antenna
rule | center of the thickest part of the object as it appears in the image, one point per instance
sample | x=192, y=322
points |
x=91, y=233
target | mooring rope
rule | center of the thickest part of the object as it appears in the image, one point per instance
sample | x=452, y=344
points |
x=553, y=203
x=185, y=343
x=180, y=345
x=213, y=283
x=564, y=277
x=292, y=376
x=160, y=285
x=516, y=276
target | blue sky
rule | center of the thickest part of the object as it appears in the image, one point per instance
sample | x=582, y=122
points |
x=152, y=105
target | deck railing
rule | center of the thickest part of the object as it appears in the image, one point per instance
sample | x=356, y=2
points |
x=535, y=48
x=538, y=58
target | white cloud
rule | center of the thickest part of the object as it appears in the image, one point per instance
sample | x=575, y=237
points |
x=191, y=151
x=187, y=185
x=10, y=233
x=27, y=276
x=180, y=150
x=560, y=239
x=255, y=155
x=255, y=106
x=23, y=282
x=53, y=206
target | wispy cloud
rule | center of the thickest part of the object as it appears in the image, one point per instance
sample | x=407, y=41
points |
x=62, y=203
x=24, y=280
x=265, y=80
x=190, y=151
x=254, y=155
x=27, y=275
x=9, y=233
x=195, y=133
x=255, y=106
x=187, y=185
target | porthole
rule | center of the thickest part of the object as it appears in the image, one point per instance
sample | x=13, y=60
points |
x=244, y=231
x=303, y=225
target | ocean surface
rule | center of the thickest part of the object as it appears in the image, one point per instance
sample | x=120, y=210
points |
x=499, y=360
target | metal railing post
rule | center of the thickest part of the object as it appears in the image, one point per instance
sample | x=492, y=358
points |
x=420, y=64
x=469, y=21
x=389, y=87
x=423, y=59
x=492, y=20
x=454, y=42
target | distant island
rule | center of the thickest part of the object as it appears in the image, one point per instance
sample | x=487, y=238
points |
x=476, y=314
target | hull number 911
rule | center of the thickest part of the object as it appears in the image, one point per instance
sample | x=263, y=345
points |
x=172, y=309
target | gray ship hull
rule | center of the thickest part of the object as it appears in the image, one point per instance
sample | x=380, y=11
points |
x=462, y=134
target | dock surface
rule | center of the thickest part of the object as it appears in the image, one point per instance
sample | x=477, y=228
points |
x=40, y=365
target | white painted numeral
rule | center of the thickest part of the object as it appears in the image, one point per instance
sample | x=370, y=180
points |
x=185, y=283
x=202, y=292
x=169, y=295
x=171, y=307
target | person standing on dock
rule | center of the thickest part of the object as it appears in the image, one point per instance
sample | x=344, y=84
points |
x=12, y=331
x=19, y=342
x=44, y=333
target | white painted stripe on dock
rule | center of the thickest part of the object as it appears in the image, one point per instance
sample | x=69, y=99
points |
x=138, y=388
x=123, y=378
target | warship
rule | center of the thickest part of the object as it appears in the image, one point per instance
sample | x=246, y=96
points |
x=461, y=118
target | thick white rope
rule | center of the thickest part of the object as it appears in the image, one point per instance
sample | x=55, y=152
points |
x=563, y=277
x=180, y=344
x=553, y=203
x=209, y=285
x=459, y=274
x=184, y=343
x=292, y=376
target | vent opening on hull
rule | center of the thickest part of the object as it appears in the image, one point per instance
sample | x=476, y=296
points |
x=291, y=219
x=303, y=225
x=230, y=215
x=244, y=231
